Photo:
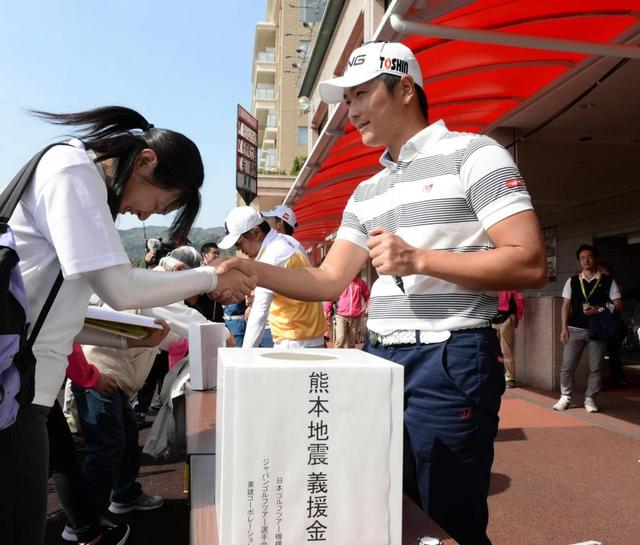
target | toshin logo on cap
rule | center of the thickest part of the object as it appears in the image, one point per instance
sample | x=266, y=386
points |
x=397, y=65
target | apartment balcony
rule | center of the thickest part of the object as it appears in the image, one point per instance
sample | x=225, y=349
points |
x=264, y=99
x=271, y=126
x=264, y=66
x=268, y=143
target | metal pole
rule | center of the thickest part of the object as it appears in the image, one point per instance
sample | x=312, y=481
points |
x=516, y=40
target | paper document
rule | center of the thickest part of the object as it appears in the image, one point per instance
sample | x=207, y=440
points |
x=129, y=325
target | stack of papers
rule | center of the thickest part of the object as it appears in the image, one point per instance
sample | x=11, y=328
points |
x=129, y=325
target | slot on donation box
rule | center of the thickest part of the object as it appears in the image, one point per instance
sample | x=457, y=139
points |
x=204, y=342
x=308, y=447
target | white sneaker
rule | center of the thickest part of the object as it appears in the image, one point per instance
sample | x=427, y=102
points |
x=144, y=502
x=563, y=404
x=590, y=405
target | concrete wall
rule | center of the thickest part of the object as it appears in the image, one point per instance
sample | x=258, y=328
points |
x=581, y=224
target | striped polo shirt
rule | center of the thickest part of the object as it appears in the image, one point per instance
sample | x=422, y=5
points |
x=444, y=192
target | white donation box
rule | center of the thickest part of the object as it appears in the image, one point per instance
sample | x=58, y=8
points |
x=204, y=341
x=308, y=448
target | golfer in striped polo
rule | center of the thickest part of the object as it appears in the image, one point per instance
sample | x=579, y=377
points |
x=447, y=223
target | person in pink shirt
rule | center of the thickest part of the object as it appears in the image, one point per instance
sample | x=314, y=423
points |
x=352, y=305
x=86, y=374
x=510, y=312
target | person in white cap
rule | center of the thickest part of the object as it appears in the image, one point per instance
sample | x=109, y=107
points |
x=294, y=324
x=447, y=222
x=284, y=219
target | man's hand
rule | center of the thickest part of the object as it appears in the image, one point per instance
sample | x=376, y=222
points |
x=236, y=279
x=564, y=335
x=390, y=254
x=154, y=338
x=230, y=340
x=107, y=384
x=591, y=311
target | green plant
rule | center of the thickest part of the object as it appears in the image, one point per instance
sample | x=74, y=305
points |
x=297, y=165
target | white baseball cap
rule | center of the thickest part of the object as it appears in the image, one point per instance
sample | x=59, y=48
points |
x=284, y=213
x=238, y=222
x=368, y=62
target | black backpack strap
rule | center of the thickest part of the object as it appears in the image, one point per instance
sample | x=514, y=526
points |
x=45, y=310
x=13, y=192
x=8, y=202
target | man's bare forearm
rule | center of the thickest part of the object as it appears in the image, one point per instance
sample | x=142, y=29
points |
x=324, y=283
x=303, y=284
x=497, y=269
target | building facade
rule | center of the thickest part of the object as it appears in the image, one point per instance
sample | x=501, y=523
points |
x=283, y=42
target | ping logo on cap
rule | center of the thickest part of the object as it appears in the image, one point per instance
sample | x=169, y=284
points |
x=357, y=60
x=398, y=65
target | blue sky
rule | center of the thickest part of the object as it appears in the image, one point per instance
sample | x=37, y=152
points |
x=183, y=65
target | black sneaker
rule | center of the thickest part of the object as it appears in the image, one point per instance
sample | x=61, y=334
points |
x=141, y=420
x=69, y=533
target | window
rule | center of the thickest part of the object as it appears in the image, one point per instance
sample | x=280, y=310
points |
x=303, y=136
x=268, y=55
x=265, y=91
x=270, y=160
x=272, y=118
x=311, y=11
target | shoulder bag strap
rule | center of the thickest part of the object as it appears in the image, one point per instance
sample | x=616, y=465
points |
x=8, y=202
x=45, y=310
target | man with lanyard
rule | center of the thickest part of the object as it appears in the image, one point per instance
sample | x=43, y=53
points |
x=585, y=295
x=446, y=221
x=294, y=324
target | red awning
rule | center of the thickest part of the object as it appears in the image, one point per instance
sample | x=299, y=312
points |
x=469, y=85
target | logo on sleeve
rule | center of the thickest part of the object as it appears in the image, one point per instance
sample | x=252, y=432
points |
x=515, y=182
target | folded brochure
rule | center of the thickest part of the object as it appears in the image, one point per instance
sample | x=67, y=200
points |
x=126, y=324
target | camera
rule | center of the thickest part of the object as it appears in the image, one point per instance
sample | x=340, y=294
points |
x=160, y=248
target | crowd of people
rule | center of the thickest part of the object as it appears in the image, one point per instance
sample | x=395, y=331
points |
x=431, y=309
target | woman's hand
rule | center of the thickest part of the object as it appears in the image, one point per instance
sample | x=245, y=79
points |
x=154, y=338
x=234, y=282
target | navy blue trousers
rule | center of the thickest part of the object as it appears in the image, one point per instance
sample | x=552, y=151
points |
x=112, y=454
x=451, y=401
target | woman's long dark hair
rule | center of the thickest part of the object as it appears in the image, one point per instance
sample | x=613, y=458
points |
x=111, y=133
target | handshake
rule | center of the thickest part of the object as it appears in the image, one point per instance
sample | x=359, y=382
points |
x=237, y=278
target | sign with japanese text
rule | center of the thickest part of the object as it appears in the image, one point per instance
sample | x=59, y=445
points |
x=308, y=448
x=247, y=156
